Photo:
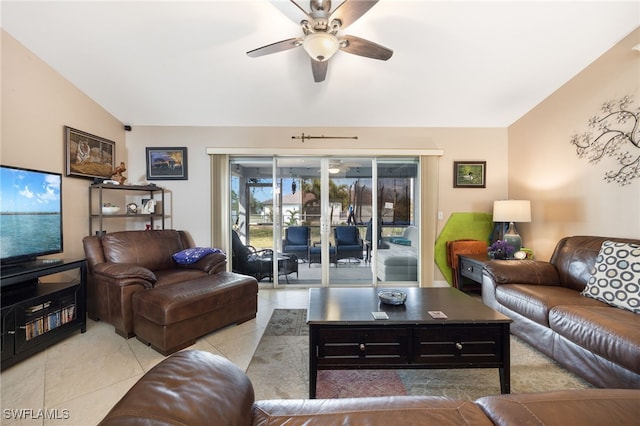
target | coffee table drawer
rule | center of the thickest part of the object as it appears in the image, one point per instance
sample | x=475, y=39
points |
x=458, y=345
x=362, y=346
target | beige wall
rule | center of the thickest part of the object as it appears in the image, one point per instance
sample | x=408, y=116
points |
x=36, y=105
x=538, y=163
x=568, y=195
x=190, y=207
x=191, y=198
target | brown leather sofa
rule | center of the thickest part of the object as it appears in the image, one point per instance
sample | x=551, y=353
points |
x=135, y=284
x=597, y=341
x=198, y=388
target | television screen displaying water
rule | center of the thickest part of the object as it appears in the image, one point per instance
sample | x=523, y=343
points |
x=30, y=212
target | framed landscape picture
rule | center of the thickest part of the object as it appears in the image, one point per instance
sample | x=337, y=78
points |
x=469, y=174
x=167, y=163
x=88, y=156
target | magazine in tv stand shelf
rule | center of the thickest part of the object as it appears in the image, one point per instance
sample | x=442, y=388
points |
x=145, y=191
x=35, y=316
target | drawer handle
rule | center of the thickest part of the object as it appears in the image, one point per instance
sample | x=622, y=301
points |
x=459, y=346
x=362, y=347
x=469, y=268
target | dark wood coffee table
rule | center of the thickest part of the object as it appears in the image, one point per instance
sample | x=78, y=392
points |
x=344, y=335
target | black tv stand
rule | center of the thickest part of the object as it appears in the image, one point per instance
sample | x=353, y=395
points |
x=28, y=265
x=36, y=315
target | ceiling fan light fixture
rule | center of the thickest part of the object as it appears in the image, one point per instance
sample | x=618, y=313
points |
x=321, y=46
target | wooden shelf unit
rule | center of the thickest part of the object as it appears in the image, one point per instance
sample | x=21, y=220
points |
x=95, y=206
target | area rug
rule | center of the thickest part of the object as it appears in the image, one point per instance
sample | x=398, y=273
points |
x=280, y=369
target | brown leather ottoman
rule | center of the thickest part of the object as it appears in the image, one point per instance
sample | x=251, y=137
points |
x=171, y=318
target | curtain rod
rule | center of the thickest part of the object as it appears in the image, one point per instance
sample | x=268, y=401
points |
x=308, y=137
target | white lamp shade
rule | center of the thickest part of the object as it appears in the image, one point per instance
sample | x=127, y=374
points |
x=320, y=46
x=512, y=211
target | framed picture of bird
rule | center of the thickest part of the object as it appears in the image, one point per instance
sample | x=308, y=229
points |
x=469, y=174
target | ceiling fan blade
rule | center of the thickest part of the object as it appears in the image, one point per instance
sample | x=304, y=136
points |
x=359, y=46
x=275, y=47
x=350, y=11
x=319, y=70
x=296, y=13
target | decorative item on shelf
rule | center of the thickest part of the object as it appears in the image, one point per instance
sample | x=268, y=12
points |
x=520, y=255
x=510, y=211
x=614, y=131
x=148, y=206
x=528, y=252
x=132, y=208
x=117, y=174
x=108, y=208
x=500, y=250
x=392, y=297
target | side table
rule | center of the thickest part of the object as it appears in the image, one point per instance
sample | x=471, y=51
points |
x=470, y=270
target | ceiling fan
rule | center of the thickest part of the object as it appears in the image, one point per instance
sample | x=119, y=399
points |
x=320, y=27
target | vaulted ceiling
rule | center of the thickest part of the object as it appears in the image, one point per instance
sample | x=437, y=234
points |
x=455, y=63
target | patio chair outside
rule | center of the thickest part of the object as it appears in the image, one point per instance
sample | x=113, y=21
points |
x=349, y=245
x=297, y=240
x=259, y=263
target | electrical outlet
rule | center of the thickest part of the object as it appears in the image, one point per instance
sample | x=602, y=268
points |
x=440, y=215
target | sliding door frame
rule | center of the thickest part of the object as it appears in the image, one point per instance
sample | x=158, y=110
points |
x=220, y=191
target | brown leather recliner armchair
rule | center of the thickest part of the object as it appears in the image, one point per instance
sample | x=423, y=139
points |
x=124, y=263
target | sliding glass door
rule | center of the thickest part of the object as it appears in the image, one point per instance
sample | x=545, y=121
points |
x=321, y=213
x=300, y=224
x=350, y=209
x=397, y=248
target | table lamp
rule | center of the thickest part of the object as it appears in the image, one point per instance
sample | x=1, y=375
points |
x=512, y=211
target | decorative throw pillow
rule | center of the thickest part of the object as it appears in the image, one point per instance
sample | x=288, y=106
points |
x=192, y=255
x=615, y=278
x=401, y=241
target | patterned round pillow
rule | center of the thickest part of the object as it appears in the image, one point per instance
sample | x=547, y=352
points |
x=615, y=278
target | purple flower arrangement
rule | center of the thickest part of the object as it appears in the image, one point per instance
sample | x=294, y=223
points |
x=500, y=250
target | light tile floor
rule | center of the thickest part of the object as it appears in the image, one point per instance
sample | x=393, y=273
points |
x=83, y=376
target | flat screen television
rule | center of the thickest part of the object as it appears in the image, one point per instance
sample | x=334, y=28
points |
x=30, y=215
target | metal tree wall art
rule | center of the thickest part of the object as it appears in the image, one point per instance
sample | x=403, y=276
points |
x=616, y=129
